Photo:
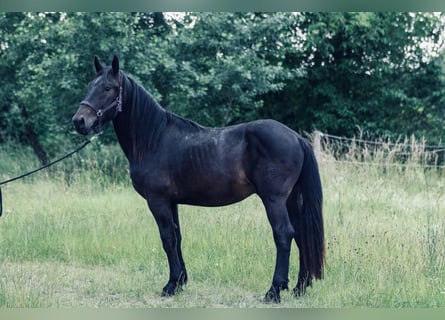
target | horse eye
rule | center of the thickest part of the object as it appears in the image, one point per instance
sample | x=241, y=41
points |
x=107, y=88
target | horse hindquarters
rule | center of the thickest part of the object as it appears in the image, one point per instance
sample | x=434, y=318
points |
x=274, y=163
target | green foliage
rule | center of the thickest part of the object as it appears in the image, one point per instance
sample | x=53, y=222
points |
x=371, y=70
x=382, y=72
x=48, y=60
x=223, y=66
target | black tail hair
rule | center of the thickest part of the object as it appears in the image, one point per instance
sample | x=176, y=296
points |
x=311, y=221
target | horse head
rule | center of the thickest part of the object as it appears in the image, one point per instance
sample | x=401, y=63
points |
x=103, y=100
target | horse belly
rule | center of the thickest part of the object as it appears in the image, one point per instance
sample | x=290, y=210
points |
x=215, y=190
x=211, y=199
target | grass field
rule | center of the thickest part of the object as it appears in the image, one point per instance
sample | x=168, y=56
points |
x=71, y=237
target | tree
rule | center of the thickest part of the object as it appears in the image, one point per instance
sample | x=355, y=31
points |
x=48, y=57
x=218, y=70
x=355, y=69
x=326, y=71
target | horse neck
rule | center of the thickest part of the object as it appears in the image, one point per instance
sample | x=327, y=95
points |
x=140, y=124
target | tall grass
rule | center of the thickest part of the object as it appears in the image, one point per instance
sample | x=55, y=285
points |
x=384, y=216
x=78, y=235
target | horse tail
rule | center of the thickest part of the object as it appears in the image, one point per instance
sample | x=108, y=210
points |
x=310, y=220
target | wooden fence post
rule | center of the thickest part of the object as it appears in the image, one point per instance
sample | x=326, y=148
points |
x=316, y=138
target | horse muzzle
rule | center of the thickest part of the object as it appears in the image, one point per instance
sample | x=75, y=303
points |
x=84, y=121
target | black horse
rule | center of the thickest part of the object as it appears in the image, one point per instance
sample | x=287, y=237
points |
x=177, y=161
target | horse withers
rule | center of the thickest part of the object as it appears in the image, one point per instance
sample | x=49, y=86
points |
x=177, y=161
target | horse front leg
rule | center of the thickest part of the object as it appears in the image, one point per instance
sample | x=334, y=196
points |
x=165, y=214
x=183, y=277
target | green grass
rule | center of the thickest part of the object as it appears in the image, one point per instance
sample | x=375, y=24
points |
x=70, y=237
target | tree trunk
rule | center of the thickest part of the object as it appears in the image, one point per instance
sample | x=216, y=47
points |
x=32, y=136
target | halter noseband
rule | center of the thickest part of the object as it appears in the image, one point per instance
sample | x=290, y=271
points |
x=117, y=103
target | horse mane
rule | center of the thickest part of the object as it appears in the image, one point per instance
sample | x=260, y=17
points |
x=147, y=120
x=184, y=124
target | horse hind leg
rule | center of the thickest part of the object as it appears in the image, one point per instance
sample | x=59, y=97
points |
x=283, y=233
x=295, y=209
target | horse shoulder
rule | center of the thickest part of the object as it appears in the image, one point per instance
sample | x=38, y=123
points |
x=151, y=176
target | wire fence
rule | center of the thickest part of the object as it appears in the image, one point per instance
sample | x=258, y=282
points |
x=402, y=152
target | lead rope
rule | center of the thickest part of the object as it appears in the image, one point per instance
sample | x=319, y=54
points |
x=80, y=147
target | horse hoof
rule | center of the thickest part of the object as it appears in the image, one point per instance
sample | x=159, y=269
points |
x=300, y=289
x=168, y=291
x=166, y=294
x=171, y=289
x=298, y=292
x=272, y=296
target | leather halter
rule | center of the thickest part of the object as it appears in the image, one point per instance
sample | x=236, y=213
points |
x=117, y=103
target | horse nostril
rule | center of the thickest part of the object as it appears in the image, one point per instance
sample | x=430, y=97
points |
x=79, y=122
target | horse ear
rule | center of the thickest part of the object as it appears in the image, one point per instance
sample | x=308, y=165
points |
x=97, y=64
x=115, y=65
